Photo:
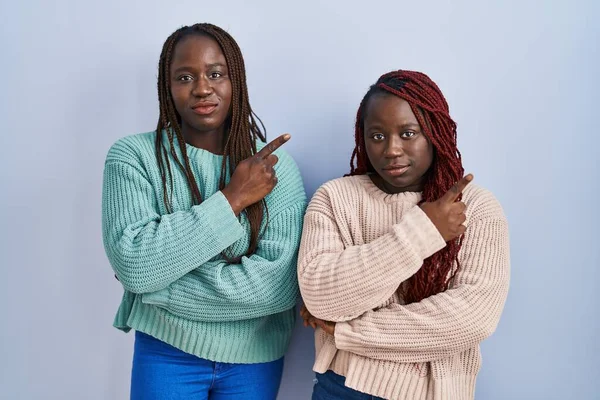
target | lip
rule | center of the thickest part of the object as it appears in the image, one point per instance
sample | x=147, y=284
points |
x=204, y=108
x=396, y=170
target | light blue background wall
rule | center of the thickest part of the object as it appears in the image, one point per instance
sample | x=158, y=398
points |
x=522, y=81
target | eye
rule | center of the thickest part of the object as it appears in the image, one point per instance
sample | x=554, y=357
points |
x=378, y=137
x=185, y=78
x=408, y=134
x=216, y=75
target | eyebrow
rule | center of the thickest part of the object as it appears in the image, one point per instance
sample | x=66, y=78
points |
x=403, y=126
x=187, y=67
x=410, y=125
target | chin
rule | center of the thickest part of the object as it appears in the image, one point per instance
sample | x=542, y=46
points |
x=207, y=125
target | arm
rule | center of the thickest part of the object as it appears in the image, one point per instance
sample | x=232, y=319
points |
x=449, y=322
x=148, y=251
x=262, y=284
x=339, y=282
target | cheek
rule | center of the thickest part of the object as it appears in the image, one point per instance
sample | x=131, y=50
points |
x=178, y=97
x=227, y=93
x=423, y=154
x=427, y=158
x=371, y=153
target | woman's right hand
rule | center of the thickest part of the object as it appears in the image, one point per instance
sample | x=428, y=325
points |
x=254, y=178
x=447, y=214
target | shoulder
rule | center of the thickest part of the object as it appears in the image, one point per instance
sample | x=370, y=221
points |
x=132, y=149
x=481, y=204
x=343, y=185
x=347, y=189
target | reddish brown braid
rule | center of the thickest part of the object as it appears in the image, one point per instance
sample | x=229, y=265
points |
x=241, y=130
x=431, y=109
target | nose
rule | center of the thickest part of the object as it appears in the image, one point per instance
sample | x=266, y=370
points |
x=393, y=147
x=202, y=88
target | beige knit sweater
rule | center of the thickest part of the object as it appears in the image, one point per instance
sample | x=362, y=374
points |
x=359, y=244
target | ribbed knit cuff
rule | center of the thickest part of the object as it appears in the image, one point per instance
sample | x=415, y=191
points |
x=417, y=228
x=225, y=226
x=159, y=298
x=346, y=339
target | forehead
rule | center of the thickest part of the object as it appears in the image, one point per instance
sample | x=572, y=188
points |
x=198, y=49
x=389, y=109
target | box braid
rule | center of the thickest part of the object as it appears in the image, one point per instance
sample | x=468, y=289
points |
x=431, y=110
x=241, y=130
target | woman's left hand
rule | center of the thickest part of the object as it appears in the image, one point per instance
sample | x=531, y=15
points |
x=327, y=326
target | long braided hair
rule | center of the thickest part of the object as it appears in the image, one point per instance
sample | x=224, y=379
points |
x=431, y=110
x=241, y=127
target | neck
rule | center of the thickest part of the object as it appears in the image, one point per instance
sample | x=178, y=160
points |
x=391, y=189
x=212, y=141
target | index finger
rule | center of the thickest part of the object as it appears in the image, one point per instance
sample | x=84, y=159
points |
x=452, y=195
x=274, y=145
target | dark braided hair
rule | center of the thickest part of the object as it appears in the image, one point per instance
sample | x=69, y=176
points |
x=431, y=110
x=241, y=127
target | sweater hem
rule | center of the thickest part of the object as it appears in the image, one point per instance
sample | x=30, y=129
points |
x=204, y=340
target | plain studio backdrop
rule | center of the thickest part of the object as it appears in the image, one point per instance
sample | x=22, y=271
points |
x=521, y=78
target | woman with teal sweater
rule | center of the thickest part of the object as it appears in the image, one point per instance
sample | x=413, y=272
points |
x=201, y=224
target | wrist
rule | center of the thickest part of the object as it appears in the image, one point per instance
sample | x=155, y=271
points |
x=234, y=200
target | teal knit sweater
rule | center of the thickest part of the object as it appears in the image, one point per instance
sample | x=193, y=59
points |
x=178, y=287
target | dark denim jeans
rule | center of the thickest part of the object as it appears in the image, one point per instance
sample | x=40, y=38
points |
x=330, y=386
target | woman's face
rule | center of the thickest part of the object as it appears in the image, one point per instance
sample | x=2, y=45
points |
x=397, y=148
x=200, y=84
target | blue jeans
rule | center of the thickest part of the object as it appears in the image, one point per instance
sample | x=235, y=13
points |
x=163, y=372
x=330, y=386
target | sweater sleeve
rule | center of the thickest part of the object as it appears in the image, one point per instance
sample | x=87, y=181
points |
x=148, y=251
x=446, y=323
x=263, y=283
x=338, y=282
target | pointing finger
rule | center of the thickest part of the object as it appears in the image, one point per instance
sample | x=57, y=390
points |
x=452, y=195
x=274, y=145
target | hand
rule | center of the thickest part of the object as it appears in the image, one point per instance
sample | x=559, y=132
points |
x=327, y=326
x=446, y=213
x=307, y=317
x=254, y=178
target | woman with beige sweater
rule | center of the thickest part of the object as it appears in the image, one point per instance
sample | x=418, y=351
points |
x=404, y=264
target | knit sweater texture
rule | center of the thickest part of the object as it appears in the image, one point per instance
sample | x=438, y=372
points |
x=178, y=287
x=359, y=244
